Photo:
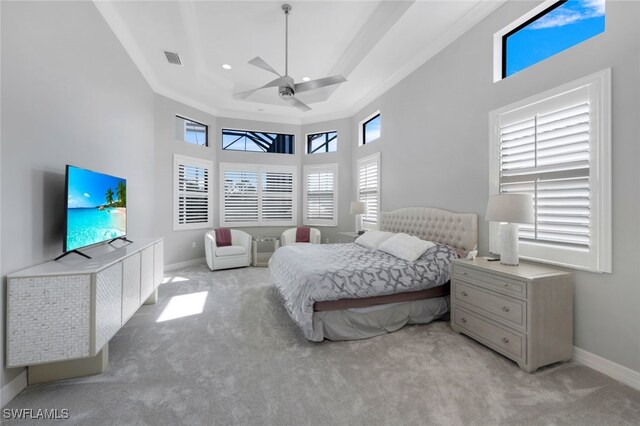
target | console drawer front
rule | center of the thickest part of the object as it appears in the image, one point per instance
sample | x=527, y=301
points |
x=506, y=311
x=497, y=283
x=508, y=342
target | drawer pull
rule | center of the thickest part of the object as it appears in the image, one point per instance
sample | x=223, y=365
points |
x=505, y=308
x=464, y=319
x=464, y=293
x=505, y=339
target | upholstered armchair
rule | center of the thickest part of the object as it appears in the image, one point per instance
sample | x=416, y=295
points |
x=236, y=255
x=289, y=237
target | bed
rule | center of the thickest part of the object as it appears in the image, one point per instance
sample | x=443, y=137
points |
x=349, y=292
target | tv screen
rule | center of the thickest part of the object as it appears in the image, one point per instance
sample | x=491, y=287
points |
x=96, y=208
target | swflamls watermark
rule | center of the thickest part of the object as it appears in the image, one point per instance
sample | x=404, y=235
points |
x=35, y=414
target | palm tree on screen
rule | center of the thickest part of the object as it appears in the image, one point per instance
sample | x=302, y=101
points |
x=109, y=196
x=121, y=191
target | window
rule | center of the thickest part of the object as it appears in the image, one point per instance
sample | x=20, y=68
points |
x=321, y=195
x=191, y=131
x=547, y=30
x=370, y=129
x=556, y=147
x=192, y=193
x=257, y=195
x=369, y=189
x=245, y=140
x=322, y=142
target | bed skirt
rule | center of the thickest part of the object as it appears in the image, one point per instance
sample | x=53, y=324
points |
x=363, y=323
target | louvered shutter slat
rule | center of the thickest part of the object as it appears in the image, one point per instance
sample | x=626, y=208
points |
x=548, y=156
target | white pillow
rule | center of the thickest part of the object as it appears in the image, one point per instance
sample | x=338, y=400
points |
x=405, y=247
x=372, y=239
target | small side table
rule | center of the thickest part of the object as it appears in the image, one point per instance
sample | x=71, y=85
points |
x=254, y=249
x=347, y=237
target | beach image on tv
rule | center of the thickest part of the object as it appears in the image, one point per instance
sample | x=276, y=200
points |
x=96, y=208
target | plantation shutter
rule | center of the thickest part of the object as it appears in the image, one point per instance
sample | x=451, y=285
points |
x=545, y=151
x=321, y=195
x=192, y=183
x=369, y=188
x=255, y=195
x=277, y=197
x=240, y=197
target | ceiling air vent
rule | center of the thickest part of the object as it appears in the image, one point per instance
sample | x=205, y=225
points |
x=173, y=58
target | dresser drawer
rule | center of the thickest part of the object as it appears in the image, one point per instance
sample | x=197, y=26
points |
x=497, y=283
x=500, y=339
x=507, y=311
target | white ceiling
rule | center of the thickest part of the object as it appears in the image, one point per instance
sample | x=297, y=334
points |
x=374, y=44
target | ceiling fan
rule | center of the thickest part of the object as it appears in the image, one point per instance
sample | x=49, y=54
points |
x=287, y=88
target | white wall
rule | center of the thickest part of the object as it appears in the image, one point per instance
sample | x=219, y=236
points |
x=435, y=135
x=178, y=244
x=70, y=94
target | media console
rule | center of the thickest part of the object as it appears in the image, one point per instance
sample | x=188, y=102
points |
x=62, y=314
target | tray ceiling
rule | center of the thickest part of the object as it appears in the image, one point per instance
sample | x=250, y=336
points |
x=374, y=44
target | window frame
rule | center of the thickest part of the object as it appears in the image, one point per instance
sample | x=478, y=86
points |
x=599, y=256
x=193, y=162
x=374, y=158
x=308, y=142
x=362, y=131
x=499, y=38
x=554, y=5
x=184, y=130
x=259, y=169
x=319, y=168
x=293, y=142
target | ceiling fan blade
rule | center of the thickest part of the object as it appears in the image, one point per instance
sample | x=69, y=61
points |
x=296, y=103
x=280, y=81
x=321, y=82
x=260, y=63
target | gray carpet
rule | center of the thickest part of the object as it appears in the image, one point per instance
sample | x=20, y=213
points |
x=242, y=361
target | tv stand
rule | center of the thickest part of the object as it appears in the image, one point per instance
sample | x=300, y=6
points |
x=60, y=316
x=72, y=251
x=120, y=238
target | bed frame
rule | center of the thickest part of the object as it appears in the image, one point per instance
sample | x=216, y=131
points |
x=342, y=320
x=457, y=230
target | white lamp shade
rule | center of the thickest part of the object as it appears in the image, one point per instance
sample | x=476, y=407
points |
x=358, y=207
x=512, y=208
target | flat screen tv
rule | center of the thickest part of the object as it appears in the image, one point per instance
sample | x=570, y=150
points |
x=96, y=208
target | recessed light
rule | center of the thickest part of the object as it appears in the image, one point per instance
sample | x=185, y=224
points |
x=226, y=66
x=305, y=79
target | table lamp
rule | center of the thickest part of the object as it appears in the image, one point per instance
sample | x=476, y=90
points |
x=358, y=208
x=511, y=210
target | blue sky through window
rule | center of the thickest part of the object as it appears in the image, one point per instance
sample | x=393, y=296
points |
x=372, y=129
x=565, y=26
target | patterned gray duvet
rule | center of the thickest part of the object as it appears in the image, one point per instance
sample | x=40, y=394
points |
x=309, y=273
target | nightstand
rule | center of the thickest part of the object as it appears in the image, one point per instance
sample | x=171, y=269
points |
x=347, y=237
x=524, y=312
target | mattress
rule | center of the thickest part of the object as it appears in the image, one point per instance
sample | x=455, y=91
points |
x=304, y=275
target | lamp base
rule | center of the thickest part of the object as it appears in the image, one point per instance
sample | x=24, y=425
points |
x=509, y=244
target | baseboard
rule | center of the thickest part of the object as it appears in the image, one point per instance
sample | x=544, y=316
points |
x=174, y=266
x=13, y=388
x=619, y=372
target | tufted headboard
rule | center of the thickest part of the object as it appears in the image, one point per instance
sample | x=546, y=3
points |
x=457, y=230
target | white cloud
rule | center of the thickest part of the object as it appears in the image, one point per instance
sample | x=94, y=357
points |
x=596, y=7
x=87, y=195
x=561, y=17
